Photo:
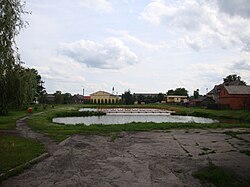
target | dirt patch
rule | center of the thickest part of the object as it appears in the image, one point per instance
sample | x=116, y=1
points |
x=135, y=159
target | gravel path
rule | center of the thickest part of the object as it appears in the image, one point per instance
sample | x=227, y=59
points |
x=158, y=158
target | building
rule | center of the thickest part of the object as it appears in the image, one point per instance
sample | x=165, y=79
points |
x=77, y=99
x=103, y=97
x=140, y=98
x=176, y=99
x=236, y=97
x=50, y=98
x=202, y=101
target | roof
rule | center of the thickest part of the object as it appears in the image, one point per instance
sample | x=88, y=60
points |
x=101, y=93
x=174, y=96
x=200, y=99
x=147, y=94
x=242, y=90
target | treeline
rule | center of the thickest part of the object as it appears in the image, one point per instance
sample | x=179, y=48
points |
x=19, y=86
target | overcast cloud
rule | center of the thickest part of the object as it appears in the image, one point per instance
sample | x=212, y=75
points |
x=113, y=54
x=142, y=45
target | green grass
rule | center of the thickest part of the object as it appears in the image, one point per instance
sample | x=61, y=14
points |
x=219, y=177
x=15, y=151
x=9, y=122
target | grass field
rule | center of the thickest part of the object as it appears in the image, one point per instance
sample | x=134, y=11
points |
x=15, y=151
x=9, y=122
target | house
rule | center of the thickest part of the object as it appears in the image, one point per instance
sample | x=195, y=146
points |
x=103, y=97
x=236, y=97
x=141, y=98
x=202, y=101
x=50, y=98
x=77, y=99
x=176, y=99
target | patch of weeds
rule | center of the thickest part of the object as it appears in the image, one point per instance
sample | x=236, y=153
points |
x=246, y=152
x=15, y=151
x=234, y=135
x=205, y=149
x=219, y=177
x=167, y=131
x=113, y=137
x=240, y=143
x=231, y=151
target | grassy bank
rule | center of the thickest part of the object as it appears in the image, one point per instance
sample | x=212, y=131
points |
x=59, y=132
x=15, y=151
x=9, y=122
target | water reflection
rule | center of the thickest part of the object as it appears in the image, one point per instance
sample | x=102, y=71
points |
x=123, y=119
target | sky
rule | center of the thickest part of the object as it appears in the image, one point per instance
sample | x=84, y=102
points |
x=145, y=46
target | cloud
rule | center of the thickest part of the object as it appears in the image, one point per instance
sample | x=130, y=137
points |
x=127, y=37
x=99, y=5
x=112, y=54
x=235, y=7
x=202, y=24
x=242, y=65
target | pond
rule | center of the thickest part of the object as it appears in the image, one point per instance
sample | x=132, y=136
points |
x=131, y=115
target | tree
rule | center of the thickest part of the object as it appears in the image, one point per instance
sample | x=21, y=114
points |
x=160, y=97
x=127, y=97
x=59, y=98
x=16, y=82
x=66, y=98
x=178, y=91
x=196, y=93
x=233, y=79
x=170, y=92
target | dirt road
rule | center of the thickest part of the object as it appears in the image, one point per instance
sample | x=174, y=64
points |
x=159, y=158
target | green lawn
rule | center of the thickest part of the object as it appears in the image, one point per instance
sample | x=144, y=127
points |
x=15, y=151
x=9, y=122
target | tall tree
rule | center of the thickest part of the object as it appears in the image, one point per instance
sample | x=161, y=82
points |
x=233, y=79
x=127, y=97
x=178, y=91
x=196, y=93
x=18, y=85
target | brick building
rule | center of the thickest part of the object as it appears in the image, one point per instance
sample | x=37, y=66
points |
x=236, y=97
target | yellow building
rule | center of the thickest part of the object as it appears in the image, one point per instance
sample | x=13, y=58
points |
x=103, y=97
x=176, y=99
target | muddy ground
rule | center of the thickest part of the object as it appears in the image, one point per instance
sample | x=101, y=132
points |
x=158, y=158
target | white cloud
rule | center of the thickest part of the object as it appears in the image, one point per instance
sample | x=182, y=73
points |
x=98, y=5
x=202, y=24
x=126, y=36
x=112, y=54
x=241, y=65
x=235, y=7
